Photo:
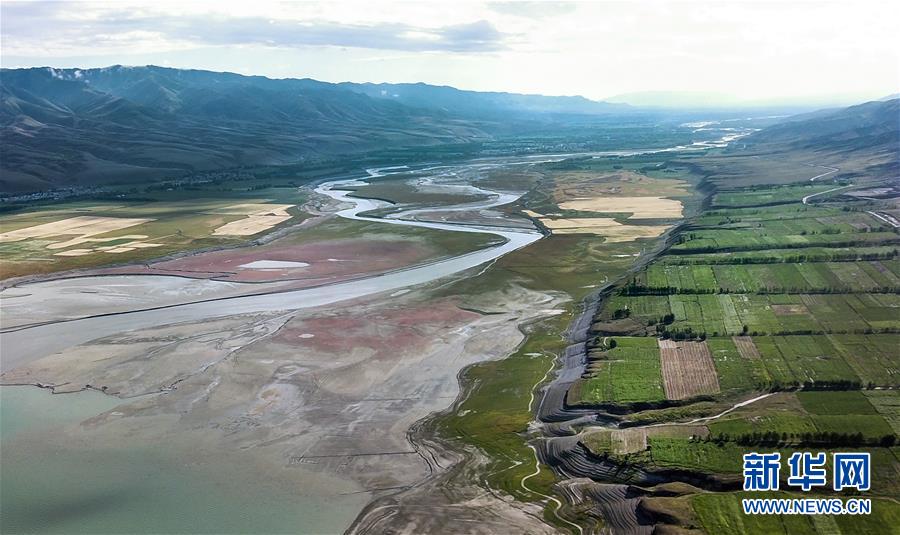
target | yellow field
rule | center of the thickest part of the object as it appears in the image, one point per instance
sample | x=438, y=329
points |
x=639, y=207
x=82, y=226
x=260, y=217
x=609, y=228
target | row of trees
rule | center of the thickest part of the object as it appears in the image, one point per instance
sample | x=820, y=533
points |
x=708, y=249
x=635, y=290
x=793, y=259
x=819, y=438
x=688, y=333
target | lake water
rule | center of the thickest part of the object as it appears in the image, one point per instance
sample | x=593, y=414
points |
x=56, y=479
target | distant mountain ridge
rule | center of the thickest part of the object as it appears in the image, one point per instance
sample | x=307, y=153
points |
x=872, y=126
x=861, y=139
x=86, y=127
x=468, y=103
x=68, y=127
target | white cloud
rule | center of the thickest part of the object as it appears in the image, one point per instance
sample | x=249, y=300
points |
x=753, y=49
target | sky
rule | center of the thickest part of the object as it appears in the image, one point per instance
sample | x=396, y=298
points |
x=750, y=50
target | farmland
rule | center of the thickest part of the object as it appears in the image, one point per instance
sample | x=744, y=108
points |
x=766, y=196
x=629, y=372
x=156, y=224
x=760, y=293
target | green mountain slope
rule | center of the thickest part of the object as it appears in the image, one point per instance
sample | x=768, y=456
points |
x=85, y=127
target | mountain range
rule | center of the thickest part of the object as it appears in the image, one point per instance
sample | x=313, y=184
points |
x=86, y=127
x=863, y=140
x=69, y=127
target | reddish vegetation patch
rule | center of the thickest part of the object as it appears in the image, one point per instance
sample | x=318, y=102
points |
x=746, y=347
x=329, y=261
x=687, y=369
x=384, y=331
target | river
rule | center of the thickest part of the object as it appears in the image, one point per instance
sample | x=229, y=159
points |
x=23, y=345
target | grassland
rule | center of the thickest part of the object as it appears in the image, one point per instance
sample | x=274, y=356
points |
x=404, y=191
x=494, y=416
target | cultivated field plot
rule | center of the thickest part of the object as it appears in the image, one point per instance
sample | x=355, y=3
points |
x=746, y=347
x=81, y=226
x=728, y=314
x=767, y=196
x=781, y=296
x=808, y=416
x=634, y=440
x=630, y=372
x=572, y=185
x=789, y=219
x=789, y=256
x=737, y=363
x=802, y=359
x=259, y=217
x=721, y=513
x=874, y=357
x=611, y=230
x=626, y=195
x=743, y=363
x=887, y=403
x=792, y=226
x=687, y=369
x=726, y=240
x=807, y=277
x=638, y=207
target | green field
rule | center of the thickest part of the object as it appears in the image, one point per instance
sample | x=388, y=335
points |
x=727, y=314
x=736, y=373
x=767, y=195
x=628, y=373
x=790, y=226
x=789, y=256
x=786, y=296
x=810, y=414
x=696, y=455
x=807, y=277
x=887, y=404
x=722, y=514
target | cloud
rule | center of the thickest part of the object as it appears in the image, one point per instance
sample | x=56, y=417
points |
x=478, y=36
x=58, y=26
x=533, y=9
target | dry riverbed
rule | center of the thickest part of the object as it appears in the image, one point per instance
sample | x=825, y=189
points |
x=323, y=399
x=311, y=406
